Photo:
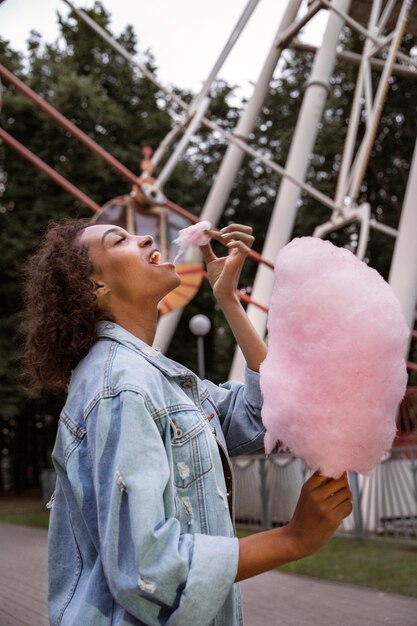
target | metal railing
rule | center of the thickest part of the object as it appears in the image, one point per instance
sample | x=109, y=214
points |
x=385, y=502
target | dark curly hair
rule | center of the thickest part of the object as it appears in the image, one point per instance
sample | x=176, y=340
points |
x=60, y=307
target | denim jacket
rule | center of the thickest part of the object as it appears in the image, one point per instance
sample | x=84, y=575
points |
x=140, y=529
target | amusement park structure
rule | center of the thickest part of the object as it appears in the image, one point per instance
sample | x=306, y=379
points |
x=382, y=25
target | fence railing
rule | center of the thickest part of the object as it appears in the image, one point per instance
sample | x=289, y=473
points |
x=385, y=502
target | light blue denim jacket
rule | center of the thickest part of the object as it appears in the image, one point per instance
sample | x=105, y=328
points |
x=140, y=528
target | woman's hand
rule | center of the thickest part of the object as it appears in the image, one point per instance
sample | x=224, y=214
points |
x=224, y=272
x=322, y=505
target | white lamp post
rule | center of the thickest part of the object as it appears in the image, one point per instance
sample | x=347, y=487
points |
x=200, y=325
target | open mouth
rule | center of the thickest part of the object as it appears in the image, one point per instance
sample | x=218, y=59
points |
x=155, y=257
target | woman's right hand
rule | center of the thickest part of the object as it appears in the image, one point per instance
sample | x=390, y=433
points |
x=321, y=507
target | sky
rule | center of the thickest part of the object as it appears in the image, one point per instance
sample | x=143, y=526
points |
x=185, y=36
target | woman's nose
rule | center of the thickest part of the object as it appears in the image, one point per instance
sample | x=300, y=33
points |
x=147, y=240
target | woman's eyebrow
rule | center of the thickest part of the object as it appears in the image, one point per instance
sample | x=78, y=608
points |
x=111, y=230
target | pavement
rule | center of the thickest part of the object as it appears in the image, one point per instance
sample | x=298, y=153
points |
x=23, y=584
x=271, y=599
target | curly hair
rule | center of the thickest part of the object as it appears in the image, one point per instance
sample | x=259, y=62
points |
x=60, y=307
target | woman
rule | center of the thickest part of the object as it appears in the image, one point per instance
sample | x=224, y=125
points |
x=141, y=524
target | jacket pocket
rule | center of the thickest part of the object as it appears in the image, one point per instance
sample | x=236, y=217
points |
x=209, y=408
x=190, y=449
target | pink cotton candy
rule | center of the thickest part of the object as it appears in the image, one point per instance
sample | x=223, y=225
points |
x=193, y=236
x=335, y=370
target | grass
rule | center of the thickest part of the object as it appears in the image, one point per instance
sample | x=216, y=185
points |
x=36, y=519
x=383, y=566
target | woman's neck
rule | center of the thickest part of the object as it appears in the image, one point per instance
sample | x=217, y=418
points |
x=141, y=325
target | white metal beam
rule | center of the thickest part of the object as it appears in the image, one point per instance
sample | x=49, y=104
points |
x=285, y=210
x=362, y=158
x=403, y=272
x=231, y=163
x=220, y=191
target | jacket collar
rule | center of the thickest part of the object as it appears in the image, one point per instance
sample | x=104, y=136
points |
x=111, y=330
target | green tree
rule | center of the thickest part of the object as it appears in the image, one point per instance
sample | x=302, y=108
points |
x=93, y=87
x=118, y=108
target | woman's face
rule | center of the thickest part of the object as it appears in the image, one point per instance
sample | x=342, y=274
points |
x=126, y=267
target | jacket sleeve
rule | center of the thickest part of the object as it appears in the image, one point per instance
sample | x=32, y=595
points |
x=239, y=406
x=156, y=573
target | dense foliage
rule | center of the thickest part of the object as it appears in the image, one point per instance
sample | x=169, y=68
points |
x=122, y=111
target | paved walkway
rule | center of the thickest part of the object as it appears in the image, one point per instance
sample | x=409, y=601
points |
x=23, y=576
x=269, y=600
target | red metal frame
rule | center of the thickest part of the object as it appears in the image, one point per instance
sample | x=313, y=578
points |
x=97, y=149
x=79, y=195
x=110, y=160
x=44, y=167
x=106, y=156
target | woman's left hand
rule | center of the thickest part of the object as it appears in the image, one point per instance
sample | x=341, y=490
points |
x=223, y=272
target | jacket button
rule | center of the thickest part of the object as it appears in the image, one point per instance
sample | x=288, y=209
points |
x=186, y=384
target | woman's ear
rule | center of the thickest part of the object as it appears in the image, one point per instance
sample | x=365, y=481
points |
x=100, y=288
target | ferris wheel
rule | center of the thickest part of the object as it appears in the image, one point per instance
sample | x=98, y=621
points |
x=382, y=26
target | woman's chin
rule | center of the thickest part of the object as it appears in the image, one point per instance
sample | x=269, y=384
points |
x=174, y=283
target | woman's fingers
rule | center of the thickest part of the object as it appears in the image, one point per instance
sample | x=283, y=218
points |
x=208, y=254
x=225, y=237
x=326, y=488
x=246, y=238
x=335, y=493
x=236, y=237
x=237, y=227
x=239, y=246
x=316, y=481
x=338, y=498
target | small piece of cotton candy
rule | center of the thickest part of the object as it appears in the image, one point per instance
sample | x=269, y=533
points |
x=193, y=236
x=335, y=370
